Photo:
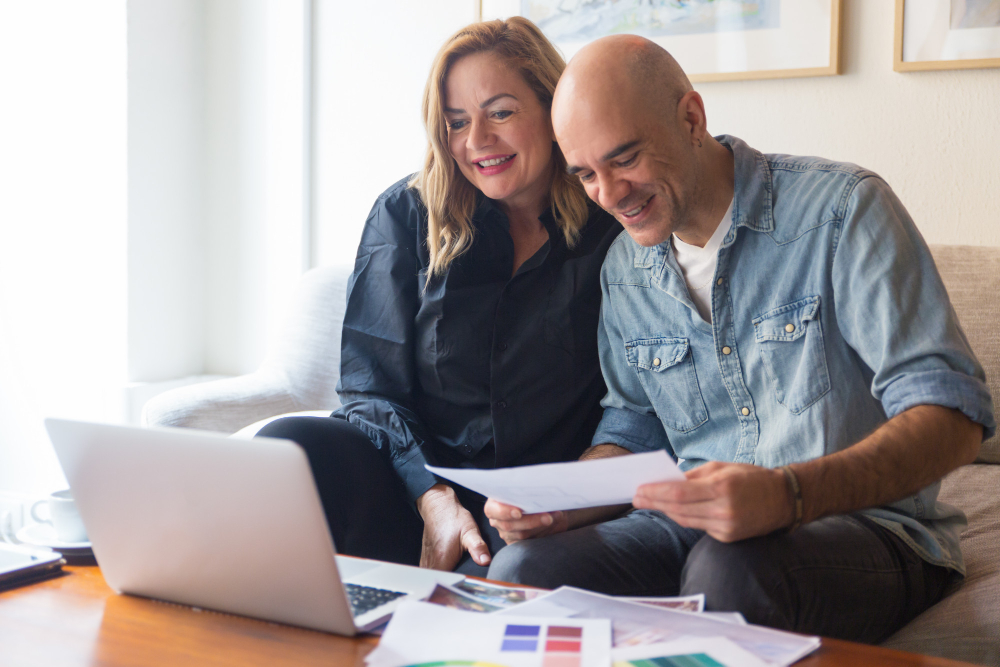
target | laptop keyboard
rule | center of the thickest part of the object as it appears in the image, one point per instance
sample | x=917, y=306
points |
x=366, y=598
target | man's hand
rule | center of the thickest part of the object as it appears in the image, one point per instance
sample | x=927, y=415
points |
x=449, y=530
x=514, y=526
x=729, y=501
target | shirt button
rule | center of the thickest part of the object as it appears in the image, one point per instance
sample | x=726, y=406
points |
x=719, y=281
x=656, y=362
x=502, y=404
x=467, y=449
x=726, y=350
x=745, y=411
x=789, y=328
x=502, y=346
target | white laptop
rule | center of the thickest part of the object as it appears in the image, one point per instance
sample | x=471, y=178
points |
x=234, y=525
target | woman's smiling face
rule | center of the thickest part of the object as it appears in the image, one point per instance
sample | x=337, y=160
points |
x=498, y=132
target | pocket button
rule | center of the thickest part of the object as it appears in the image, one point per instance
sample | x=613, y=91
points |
x=656, y=362
x=789, y=328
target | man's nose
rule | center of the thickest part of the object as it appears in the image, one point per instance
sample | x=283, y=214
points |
x=611, y=191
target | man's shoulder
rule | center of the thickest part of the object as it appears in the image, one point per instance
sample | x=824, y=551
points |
x=809, y=191
x=810, y=172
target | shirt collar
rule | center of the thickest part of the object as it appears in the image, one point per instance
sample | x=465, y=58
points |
x=752, y=203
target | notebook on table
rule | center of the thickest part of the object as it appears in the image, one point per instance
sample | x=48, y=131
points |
x=233, y=525
x=20, y=565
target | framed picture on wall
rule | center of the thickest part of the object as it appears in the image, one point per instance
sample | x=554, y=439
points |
x=946, y=34
x=713, y=40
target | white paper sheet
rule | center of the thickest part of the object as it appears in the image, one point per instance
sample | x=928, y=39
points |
x=634, y=624
x=694, y=603
x=421, y=633
x=719, y=649
x=564, y=486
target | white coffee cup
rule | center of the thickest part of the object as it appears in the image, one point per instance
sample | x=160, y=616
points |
x=62, y=516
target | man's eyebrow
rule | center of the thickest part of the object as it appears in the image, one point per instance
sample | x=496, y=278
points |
x=618, y=150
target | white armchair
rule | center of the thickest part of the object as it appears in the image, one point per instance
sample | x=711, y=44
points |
x=299, y=374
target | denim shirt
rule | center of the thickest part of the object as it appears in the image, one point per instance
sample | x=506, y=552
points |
x=475, y=368
x=828, y=318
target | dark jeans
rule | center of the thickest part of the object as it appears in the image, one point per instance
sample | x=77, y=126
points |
x=843, y=576
x=366, y=506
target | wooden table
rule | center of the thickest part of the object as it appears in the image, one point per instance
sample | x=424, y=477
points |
x=76, y=620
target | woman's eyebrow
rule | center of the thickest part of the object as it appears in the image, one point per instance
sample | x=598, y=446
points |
x=495, y=98
x=484, y=104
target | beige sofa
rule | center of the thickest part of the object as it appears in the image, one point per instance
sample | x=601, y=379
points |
x=301, y=372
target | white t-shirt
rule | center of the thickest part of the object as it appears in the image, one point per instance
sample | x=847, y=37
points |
x=698, y=264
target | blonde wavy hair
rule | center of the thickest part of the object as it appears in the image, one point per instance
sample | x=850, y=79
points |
x=450, y=198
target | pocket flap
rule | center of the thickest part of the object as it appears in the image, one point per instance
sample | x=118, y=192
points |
x=656, y=354
x=788, y=322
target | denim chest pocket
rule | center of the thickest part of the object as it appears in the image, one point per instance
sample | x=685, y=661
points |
x=666, y=370
x=790, y=339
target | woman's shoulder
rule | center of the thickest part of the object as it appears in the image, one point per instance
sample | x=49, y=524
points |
x=398, y=207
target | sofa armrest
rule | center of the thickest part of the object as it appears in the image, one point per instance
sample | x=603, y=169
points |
x=221, y=405
x=300, y=372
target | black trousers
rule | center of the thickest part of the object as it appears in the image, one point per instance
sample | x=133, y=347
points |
x=843, y=576
x=366, y=506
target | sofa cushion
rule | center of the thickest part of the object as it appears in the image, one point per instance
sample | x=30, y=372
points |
x=972, y=276
x=966, y=624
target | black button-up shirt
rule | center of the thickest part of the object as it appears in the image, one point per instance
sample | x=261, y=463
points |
x=477, y=368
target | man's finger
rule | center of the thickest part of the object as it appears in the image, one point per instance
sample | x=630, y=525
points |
x=691, y=491
x=473, y=542
x=494, y=509
x=528, y=522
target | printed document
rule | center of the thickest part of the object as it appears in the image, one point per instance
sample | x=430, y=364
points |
x=634, y=624
x=548, y=487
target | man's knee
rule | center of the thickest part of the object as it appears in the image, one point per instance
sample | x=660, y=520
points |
x=745, y=576
x=529, y=562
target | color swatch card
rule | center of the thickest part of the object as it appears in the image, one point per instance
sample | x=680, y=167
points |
x=421, y=633
x=687, y=652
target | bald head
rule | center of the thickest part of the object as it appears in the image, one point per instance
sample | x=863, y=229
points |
x=622, y=70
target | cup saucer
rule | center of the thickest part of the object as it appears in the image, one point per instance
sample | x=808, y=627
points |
x=44, y=535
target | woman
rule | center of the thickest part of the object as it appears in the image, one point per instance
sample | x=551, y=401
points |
x=470, y=336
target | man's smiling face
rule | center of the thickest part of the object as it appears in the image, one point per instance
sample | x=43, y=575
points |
x=637, y=166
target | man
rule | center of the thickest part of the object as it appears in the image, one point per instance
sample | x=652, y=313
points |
x=778, y=325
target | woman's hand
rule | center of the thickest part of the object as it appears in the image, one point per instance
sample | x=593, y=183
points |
x=514, y=526
x=449, y=530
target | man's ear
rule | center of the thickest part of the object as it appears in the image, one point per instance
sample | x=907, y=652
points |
x=691, y=116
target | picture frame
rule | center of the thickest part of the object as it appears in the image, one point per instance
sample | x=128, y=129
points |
x=713, y=40
x=946, y=34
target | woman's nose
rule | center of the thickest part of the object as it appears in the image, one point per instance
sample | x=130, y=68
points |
x=481, y=136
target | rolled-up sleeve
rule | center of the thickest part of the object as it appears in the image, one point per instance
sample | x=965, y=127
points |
x=894, y=311
x=629, y=419
x=377, y=378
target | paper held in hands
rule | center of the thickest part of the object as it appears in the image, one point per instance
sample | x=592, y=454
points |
x=548, y=487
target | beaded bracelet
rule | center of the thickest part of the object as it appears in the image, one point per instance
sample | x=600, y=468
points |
x=796, y=492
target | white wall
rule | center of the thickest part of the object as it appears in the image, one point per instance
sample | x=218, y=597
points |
x=62, y=225
x=934, y=136
x=166, y=189
x=216, y=137
x=371, y=67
